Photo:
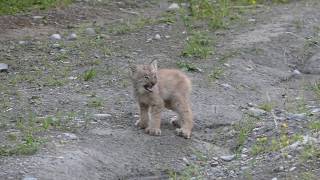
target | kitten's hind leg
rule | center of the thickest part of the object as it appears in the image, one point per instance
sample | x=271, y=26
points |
x=183, y=108
x=144, y=116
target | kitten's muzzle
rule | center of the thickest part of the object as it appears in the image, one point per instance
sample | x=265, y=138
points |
x=148, y=87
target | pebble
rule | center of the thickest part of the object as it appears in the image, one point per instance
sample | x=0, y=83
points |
x=72, y=36
x=157, y=37
x=252, y=20
x=90, y=31
x=149, y=40
x=297, y=117
x=226, y=86
x=185, y=160
x=55, y=37
x=56, y=45
x=315, y=111
x=214, y=163
x=37, y=17
x=256, y=112
x=173, y=7
x=292, y=169
x=102, y=115
x=274, y=178
x=228, y=157
x=3, y=67
x=296, y=72
x=68, y=136
x=29, y=178
x=22, y=42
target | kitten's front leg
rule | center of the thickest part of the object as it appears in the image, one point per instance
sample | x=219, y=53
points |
x=144, y=116
x=155, y=121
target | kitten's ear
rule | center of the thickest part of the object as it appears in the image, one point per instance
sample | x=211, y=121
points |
x=154, y=65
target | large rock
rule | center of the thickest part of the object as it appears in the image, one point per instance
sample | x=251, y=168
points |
x=312, y=66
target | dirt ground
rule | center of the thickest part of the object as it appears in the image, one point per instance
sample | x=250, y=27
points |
x=267, y=57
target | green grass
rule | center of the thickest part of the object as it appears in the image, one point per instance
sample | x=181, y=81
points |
x=216, y=73
x=95, y=103
x=316, y=89
x=243, y=129
x=89, y=74
x=189, y=172
x=268, y=106
x=16, y=6
x=187, y=66
x=199, y=45
x=314, y=125
x=130, y=26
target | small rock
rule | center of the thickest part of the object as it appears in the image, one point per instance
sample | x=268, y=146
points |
x=167, y=36
x=256, y=112
x=173, y=7
x=297, y=117
x=72, y=78
x=3, y=67
x=315, y=111
x=56, y=45
x=55, y=37
x=296, y=72
x=228, y=157
x=292, y=169
x=251, y=20
x=214, y=163
x=226, y=86
x=102, y=115
x=149, y=40
x=22, y=42
x=72, y=36
x=37, y=17
x=185, y=160
x=29, y=178
x=157, y=37
x=274, y=178
x=70, y=136
x=90, y=31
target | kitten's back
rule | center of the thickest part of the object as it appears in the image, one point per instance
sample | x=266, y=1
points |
x=173, y=82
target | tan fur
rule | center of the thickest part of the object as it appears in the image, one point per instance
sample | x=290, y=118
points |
x=158, y=89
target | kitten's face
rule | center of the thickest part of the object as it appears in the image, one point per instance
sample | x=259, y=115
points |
x=144, y=77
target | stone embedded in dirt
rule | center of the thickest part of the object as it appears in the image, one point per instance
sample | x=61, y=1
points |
x=292, y=169
x=68, y=136
x=297, y=117
x=3, y=67
x=296, y=72
x=157, y=37
x=173, y=7
x=274, y=178
x=228, y=157
x=167, y=36
x=90, y=31
x=56, y=45
x=72, y=36
x=149, y=40
x=312, y=65
x=102, y=115
x=29, y=178
x=226, y=86
x=315, y=111
x=256, y=112
x=22, y=42
x=214, y=163
x=185, y=160
x=251, y=20
x=37, y=17
x=55, y=37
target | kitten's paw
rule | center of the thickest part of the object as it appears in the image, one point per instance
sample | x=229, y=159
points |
x=175, y=121
x=183, y=132
x=141, y=124
x=153, y=131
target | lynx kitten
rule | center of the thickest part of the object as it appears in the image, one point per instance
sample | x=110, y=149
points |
x=155, y=89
